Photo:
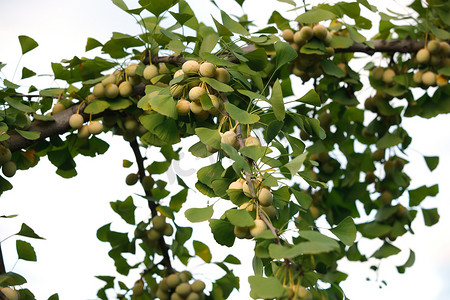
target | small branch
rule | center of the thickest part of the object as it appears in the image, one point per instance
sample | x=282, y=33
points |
x=387, y=46
x=3, y=296
x=2, y=263
x=152, y=205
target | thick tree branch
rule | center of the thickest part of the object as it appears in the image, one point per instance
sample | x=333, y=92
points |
x=386, y=46
x=2, y=263
x=152, y=205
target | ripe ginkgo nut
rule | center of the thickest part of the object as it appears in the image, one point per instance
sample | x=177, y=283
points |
x=190, y=67
x=183, y=107
x=111, y=91
x=150, y=71
x=95, y=127
x=9, y=168
x=196, y=93
x=131, y=179
x=99, y=90
x=125, y=89
x=76, y=121
x=258, y=228
x=222, y=75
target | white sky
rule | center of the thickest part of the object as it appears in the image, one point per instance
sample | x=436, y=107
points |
x=68, y=212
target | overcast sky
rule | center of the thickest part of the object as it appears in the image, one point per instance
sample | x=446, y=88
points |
x=68, y=212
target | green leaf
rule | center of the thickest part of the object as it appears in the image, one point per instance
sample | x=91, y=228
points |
x=277, y=101
x=432, y=162
x=223, y=232
x=26, y=73
x=202, y=251
x=17, y=104
x=311, y=97
x=345, y=231
x=25, y=230
x=11, y=279
x=444, y=71
x=217, y=85
x=221, y=29
x=240, y=162
x=284, y=54
x=341, y=42
x=199, y=214
x=294, y=165
x=25, y=251
x=208, y=174
x=265, y=288
x=232, y=25
x=430, y=216
x=389, y=140
x=157, y=7
x=257, y=59
x=178, y=199
x=240, y=115
x=93, y=43
x=206, y=102
x=120, y=4
x=29, y=135
x=96, y=107
x=385, y=251
x=330, y=68
x=416, y=196
x=240, y=217
x=408, y=263
x=254, y=152
x=165, y=105
x=273, y=129
x=209, y=42
x=125, y=209
x=214, y=59
x=303, y=199
x=231, y=259
x=315, y=15
x=27, y=44
x=373, y=229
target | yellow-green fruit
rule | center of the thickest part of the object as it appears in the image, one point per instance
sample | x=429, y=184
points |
x=168, y=230
x=241, y=232
x=196, y=107
x=343, y=67
x=265, y=197
x=9, y=168
x=193, y=296
x=183, y=107
x=90, y=98
x=320, y=31
x=159, y=223
x=108, y=80
x=270, y=210
x=76, y=121
x=99, y=90
x=296, y=49
x=229, y=137
x=330, y=51
x=435, y=60
x=150, y=71
x=95, y=127
x=306, y=33
x=10, y=293
x=131, y=179
x=388, y=76
x=252, y=141
x=147, y=183
x=163, y=68
x=83, y=132
x=162, y=295
x=202, y=116
x=134, y=80
x=5, y=155
x=163, y=286
x=183, y=289
x=198, y=286
x=423, y=56
x=246, y=189
x=178, y=73
x=429, y=78
x=207, y=69
x=386, y=197
x=173, y=280
x=441, y=80
x=196, y=93
x=378, y=155
x=247, y=206
x=138, y=288
x=130, y=70
x=303, y=293
x=445, y=49
x=222, y=75
x=235, y=185
x=190, y=67
x=185, y=276
x=377, y=73
x=288, y=35
x=131, y=124
x=111, y=91
x=315, y=212
x=58, y=107
x=125, y=89
x=434, y=46
x=211, y=149
x=298, y=38
x=417, y=77
x=258, y=228
x=328, y=39
x=217, y=103
x=153, y=234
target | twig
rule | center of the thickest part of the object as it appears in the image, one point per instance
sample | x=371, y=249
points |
x=2, y=263
x=152, y=205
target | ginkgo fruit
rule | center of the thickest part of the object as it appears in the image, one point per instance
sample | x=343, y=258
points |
x=196, y=107
x=222, y=75
x=138, y=288
x=434, y=46
x=10, y=293
x=288, y=35
x=159, y=222
x=229, y=137
x=429, y=78
x=388, y=76
x=150, y=72
x=235, y=185
x=9, y=168
x=83, y=132
x=196, y=93
x=130, y=70
x=5, y=155
x=423, y=56
x=131, y=179
x=99, y=90
x=306, y=33
x=265, y=197
x=125, y=89
x=108, y=80
x=190, y=67
x=207, y=69
x=183, y=107
x=258, y=228
x=58, y=107
x=76, y=121
x=183, y=289
x=252, y=141
x=111, y=90
x=320, y=31
x=95, y=127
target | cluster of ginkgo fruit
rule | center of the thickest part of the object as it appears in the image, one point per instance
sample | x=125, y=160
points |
x=190, y=90
x=434, y=56
x=11, y=294
x=9, y=167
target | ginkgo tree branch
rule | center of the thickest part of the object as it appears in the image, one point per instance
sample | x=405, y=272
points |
x=61, y=123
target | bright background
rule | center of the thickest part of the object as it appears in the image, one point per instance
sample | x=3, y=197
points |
x=68, y=212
